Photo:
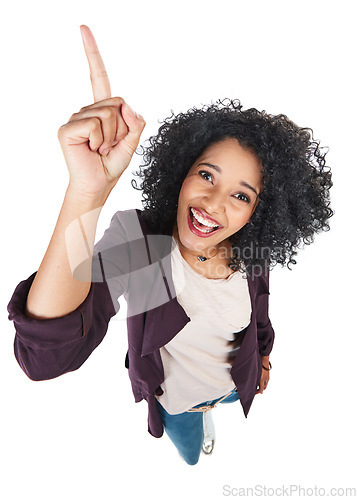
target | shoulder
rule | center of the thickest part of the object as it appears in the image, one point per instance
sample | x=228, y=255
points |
x=124, y=227
x=128, y=221
x=134, y=222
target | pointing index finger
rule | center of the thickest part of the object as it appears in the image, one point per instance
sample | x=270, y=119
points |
x=98, y=74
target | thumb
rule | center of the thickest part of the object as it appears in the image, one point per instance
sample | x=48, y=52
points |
x=122, y=152
x=135, y=124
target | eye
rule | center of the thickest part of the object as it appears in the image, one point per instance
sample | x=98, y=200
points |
x=244, y=197
x=205, y=175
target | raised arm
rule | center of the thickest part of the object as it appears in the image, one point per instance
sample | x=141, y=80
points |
x=98, y=143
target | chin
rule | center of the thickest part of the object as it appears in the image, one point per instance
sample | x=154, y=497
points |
x=196, y=243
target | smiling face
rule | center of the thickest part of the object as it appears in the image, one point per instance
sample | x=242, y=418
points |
x=218, y=195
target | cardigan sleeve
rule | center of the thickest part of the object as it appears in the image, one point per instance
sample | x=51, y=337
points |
x=48, y=348
x=265, y=331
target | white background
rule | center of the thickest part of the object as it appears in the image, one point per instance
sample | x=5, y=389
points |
x=81, y=436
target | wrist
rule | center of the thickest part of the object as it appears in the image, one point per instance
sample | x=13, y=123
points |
x=90, y=201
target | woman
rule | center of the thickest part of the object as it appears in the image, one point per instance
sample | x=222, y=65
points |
x=227, y=193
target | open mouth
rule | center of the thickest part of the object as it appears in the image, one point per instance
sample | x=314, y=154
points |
x=200, y=225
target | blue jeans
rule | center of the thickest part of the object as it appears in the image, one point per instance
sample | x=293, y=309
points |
x=186, y=429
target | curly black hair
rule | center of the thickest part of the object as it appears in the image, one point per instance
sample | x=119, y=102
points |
x=294, y=203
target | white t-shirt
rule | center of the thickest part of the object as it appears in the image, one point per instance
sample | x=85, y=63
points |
x=195, y=362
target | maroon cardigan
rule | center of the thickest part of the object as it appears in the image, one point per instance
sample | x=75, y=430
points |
x=131, y=259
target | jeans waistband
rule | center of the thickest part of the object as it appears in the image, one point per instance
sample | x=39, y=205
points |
x=205, y=408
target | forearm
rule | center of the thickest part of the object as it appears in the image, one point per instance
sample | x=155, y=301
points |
x=54, y=291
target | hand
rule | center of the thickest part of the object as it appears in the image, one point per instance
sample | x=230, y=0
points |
x=99, y=141
x=264, y=379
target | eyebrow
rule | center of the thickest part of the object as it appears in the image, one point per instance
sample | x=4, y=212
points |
x=216, y=167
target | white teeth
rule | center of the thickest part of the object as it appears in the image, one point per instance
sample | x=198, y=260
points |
x=202, y=230
x=203, y=221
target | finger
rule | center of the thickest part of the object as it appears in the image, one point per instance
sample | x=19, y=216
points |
x=111, y=101
x=81, y=131
x=98, y=74
x=109, y=118
x=117, y=102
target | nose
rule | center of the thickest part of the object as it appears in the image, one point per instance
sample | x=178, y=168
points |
x=214, y=202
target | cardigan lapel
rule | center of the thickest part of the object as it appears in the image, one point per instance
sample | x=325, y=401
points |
x=162, y=323
x=165, y=321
